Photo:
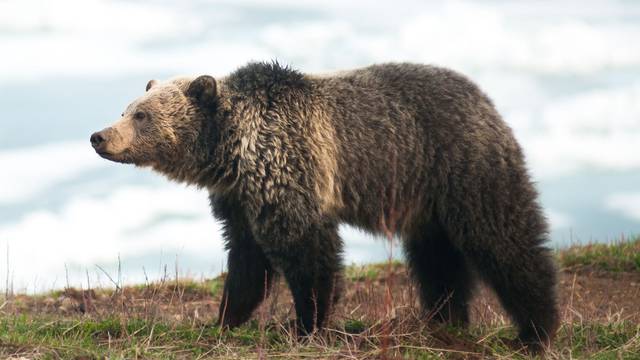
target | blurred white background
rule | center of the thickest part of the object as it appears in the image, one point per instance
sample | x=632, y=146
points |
x=564, y=74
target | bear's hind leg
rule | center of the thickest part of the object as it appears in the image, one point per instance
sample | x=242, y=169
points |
x=524, y=278
x=442, y=274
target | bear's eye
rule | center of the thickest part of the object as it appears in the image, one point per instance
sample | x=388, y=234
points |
x=139, y=115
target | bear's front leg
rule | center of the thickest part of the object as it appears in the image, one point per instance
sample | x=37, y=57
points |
x=250, y=275
x=310, y=257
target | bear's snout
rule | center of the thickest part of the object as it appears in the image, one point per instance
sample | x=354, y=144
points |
x=110, y=144
x=99, y=140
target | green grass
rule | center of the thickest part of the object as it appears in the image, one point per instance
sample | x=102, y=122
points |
x=117, y=338
x=590, y=340
x=126, y=338
x=191, y=286
x=114, y=338
x=370, y=272
x=616, y=256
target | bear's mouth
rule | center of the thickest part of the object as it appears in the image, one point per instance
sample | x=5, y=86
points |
x=104, y=154
x=113, y=157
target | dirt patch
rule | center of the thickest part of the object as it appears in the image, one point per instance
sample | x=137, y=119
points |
x=584, y=294
x=601, y=294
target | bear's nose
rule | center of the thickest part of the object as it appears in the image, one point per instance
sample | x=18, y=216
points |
x=98, y=139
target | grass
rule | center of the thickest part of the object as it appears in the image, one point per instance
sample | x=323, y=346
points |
x=371, y=271
x=127, y=338
x=621, y=255
x=172, y=319
x=114, y=337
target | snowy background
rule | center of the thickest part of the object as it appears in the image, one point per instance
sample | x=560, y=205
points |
x=565, y=75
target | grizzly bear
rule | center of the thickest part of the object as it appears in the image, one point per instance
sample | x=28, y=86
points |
x=411, y=150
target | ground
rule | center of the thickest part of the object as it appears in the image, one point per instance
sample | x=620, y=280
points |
x=377, y=318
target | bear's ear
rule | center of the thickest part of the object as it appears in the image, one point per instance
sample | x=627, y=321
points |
x=203, y=89
x=150, y=84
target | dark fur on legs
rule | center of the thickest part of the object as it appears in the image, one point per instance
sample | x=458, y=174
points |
x=525, y=285
x=312, y=266
x=441, y=272
x=512, y=259
x=249, y=271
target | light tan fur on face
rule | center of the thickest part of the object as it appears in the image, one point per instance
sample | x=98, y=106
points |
x=164, y=121
x=122, y=136
x=123, y=132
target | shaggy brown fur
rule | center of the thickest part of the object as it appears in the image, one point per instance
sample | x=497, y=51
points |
x=406, y=149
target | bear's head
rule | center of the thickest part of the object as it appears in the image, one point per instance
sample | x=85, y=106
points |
x=165, y=128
